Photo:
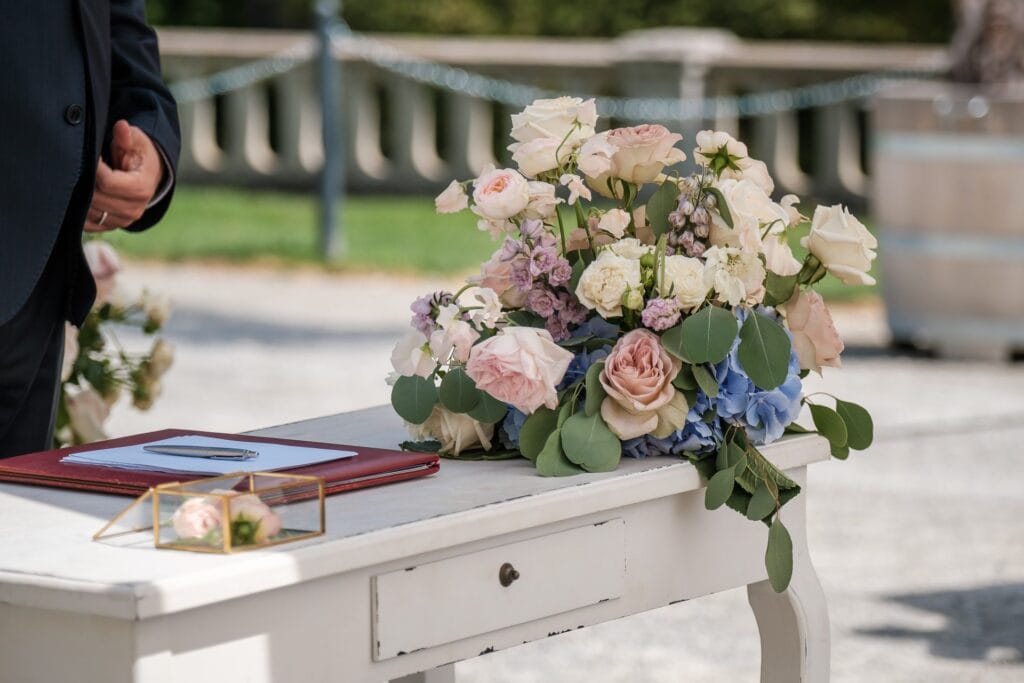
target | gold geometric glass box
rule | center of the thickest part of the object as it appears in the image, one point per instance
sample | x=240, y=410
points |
x=229, y=513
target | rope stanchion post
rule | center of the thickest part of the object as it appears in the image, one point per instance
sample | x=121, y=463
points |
x=332, y=236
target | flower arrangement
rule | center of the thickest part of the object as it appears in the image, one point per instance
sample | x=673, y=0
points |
x=682, y=325
x=96, y=367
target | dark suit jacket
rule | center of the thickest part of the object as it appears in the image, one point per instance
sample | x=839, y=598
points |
x=69, y=69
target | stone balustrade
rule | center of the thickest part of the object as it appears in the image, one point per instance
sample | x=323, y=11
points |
x=402, y=136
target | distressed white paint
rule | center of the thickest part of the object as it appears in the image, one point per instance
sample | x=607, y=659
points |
x=304, y=611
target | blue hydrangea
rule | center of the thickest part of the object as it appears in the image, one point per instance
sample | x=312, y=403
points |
x=510, y=427
x=597, y=327
x=698, y=436
x=580, y=363
x=644, y=446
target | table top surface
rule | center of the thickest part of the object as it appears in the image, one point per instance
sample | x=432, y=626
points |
x=48, y=560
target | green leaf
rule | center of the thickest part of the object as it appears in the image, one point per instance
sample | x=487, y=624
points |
x=458, y=392
x=860, y=427
x=764, y=469
x=829, y=424
x=576, y=341
x=595, y=390
x=672, y=340
x=778, y=288
x=764, y=351
x=684, y=379
x=722, y=458
x=840, y=452
x=762, y=503
x=428, y=446
x=707, y=335
x=489, y=410
x=736, y=453
x=705, y=380
x=589, y=443
x=525, y=319
x=551, y=461
x=721, y=204
x=778, y=558
x=577, y=272
x=413, y=398
x=664, y=201
x=719, y=489
x=535, y=432
x=794, y=428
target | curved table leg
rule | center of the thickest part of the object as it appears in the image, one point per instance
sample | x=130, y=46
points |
x=794, y=626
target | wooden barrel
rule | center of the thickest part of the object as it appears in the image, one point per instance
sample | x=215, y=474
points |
x=948, y=203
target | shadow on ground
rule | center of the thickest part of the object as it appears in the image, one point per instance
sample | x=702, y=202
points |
x=985, y=623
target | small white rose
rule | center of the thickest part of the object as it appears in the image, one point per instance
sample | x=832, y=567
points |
x=540, y=155
x=736, y=276
x=452, y=200
x=455, y=431
x=842, y=244
x=605, y=282
x=562, y=118
x=685, y=277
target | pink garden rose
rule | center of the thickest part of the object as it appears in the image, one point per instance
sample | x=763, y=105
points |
x=814, y=335
x=104, y=266
x=520, y=366
x=499, y=194
x=195, y=518
x=638, y=376
x=641, y=153
x=248, y=507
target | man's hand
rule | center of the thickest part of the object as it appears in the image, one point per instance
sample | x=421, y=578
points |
x=124, y=190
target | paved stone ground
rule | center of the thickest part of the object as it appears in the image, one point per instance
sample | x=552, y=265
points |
x=919, y=542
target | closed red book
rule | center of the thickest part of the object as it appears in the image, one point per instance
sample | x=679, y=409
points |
x=370, y=467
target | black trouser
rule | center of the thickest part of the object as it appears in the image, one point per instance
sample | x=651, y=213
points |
x=31, y=349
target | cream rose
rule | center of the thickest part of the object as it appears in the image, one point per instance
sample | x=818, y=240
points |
x=631, y=247
x=815, y=339
x=195, y=518
x=411, y=355
x=540, y=155
x=736, y=276
x=543, y=202
x=456, y=432
x=641, y=153
x=521, y=366
x=452, y=200
x=605, y=281
x=842, y=244
x=738, y=166
x=499, y=194
x=752, y=212
x=638, y=376
x=562, y=118
x=684, y=276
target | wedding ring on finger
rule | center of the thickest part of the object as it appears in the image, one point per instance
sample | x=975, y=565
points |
x=102, y=218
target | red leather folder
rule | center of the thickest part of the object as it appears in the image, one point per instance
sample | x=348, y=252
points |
x=371, y=467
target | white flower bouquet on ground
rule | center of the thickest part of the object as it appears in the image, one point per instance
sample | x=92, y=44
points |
x=679, y=325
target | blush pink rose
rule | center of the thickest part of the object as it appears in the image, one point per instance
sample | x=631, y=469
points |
x=195, y=518
x=520, y=366
x=641, y=152
x=250, y=508
x=499, y=194
x=638, y=376
x=814, y=335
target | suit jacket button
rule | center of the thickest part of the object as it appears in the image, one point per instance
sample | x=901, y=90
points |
x=74, y=114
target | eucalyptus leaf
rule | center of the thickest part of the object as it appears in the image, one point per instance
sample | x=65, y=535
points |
x=576, y=341
x=577, y=272
x=762, y=503
x=684, y=379
x=764, y=469
x=589, y=443
x=429, y=446
x=722, y=458
x=778, y=288
x=719, y=489
x=664, y=201
x=595, y=390
x=672, y=341
x=829, y=424
x=708, y=334
x=736, y=454
x=488, y=410
x=525, y=319
x=705, y=380
x=413, y=398
x=840, y=452
x=551, y=461
x=535, y=432
x=794, y=428
x=564, y=413
x=721, y=204
x=764, y=351
x=860, y=427
x=458, y=391
x=778, y=558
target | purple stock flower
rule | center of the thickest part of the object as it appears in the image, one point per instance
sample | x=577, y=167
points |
x=542, y=301
x=531, y=228
x=660, y=314
x=425, y=308
x=520, y=273
x=542, y=260
x=510, y=248
x=560, y=273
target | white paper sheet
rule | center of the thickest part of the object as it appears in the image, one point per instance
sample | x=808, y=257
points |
x=271, y=456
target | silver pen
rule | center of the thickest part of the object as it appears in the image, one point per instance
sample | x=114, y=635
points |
x=209, y=452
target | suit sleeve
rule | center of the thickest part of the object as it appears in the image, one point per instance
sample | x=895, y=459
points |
x=138, y=94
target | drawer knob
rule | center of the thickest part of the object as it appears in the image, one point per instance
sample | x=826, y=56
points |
x=507, y=574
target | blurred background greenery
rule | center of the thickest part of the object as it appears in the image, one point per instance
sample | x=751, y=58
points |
x=865, y=20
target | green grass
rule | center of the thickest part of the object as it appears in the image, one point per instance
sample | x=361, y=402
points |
x=393, y=233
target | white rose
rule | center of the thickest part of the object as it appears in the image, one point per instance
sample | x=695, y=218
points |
x=736, y=276
x=752, y=210
x=685, y=277
x=540, y=155
x=710, y=142
x=458, y=336
x=87, y=411
x=753, y=170
x=576, y=187
x=543, y=201
x=739, y=166
x=605, y=281
x=499, y=194
x=562, y=118
x=631, y=248
x=411, y=356
x=452, y=200
x=842, y=244
x=614, y=222
x=455, y=431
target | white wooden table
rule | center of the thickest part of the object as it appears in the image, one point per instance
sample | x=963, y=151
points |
x=407, y=580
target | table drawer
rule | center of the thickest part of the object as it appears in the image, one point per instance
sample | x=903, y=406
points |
x=444, y=601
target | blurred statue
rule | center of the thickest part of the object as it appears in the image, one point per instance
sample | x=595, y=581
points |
x=988, y=46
